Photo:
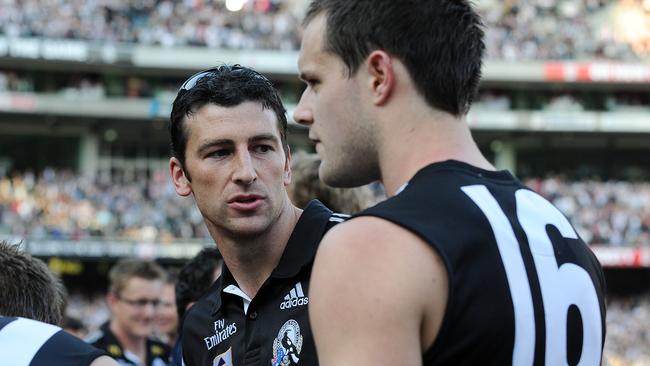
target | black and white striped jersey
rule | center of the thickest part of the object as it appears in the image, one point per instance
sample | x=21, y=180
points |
x=27, y=342
x=524, y=289
x=226, y=328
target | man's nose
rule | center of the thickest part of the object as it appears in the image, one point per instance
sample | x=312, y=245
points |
x=302, y=114
x=245, y=170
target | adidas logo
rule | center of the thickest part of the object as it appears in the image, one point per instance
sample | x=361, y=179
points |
x=296, y=297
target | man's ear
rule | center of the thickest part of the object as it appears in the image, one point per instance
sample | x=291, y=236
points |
x=287, y=167
x=381, y=76
x=182, y=184
x=111, y=300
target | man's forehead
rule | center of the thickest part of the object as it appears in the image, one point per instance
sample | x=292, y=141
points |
x=312, y=41
x=137, y=283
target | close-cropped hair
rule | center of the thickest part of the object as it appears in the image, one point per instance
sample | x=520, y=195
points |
x=196, y=277
x=126, y=269
x=306, y=186
x=225, y=86
x=28, y=288
x=440, y=43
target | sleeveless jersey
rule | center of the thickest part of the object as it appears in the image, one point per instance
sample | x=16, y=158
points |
x=27, y=342
x=524, y=289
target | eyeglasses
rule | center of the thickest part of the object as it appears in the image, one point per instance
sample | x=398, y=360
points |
x=233, y=69
x=140, y=303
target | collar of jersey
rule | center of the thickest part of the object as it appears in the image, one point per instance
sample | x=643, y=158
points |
x=300, y=249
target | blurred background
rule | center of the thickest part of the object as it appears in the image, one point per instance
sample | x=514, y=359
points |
x=86, y=88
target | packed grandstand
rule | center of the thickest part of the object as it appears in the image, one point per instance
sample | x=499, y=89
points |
x=564, y=105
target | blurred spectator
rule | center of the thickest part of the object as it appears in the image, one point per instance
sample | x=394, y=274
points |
x=74, y=326
x=306, y=186
x=194, y=280
x=166, y=315
x=133, y=297
x=196, y=277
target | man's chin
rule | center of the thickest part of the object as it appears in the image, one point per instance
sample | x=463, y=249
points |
x=249, y=227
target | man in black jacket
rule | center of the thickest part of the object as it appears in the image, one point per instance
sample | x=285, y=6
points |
x=230, y=153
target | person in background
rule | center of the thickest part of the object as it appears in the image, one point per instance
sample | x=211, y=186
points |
x=305, y=186
x=462, y=264
x=166, y=315
x=74, y=326
x=31, y=308
x=194, y=280
x=196, y=277
x=133, y=298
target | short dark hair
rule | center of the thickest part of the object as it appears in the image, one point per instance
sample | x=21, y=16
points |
x=439, y=42
x=196, y=277
x=28, y=288
x=226, y=86
x=126, y=269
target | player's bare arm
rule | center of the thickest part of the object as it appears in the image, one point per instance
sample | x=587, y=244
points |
x=371, y=300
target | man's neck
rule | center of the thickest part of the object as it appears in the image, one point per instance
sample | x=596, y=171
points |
x=251, y=260
x=428, y=139
x=134, y=344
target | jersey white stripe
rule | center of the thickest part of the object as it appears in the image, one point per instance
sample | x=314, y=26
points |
x=340, y=215
x=21, y=339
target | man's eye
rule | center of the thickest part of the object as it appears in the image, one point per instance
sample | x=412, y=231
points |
x=219, y=153
x=263, y=148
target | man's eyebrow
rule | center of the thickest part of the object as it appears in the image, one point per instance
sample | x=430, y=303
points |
x=212, y=143
x=264, y=137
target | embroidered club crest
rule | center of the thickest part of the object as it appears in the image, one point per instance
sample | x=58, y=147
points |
x=287, y=345
x=224, y=359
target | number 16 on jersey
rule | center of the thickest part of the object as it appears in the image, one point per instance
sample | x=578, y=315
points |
x=561, y=286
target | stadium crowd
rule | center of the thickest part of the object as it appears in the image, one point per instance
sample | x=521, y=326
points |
x=59, y=204
x=628, y=335
x=516, y=30
x=613, y=212
x=62, y=205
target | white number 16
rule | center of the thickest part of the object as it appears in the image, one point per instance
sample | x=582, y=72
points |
x=561, y=287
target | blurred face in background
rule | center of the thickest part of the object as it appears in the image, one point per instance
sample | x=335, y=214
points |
x=134, y=310
x=167, y=317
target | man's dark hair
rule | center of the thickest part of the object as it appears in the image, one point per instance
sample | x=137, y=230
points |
x=439, y=42
x=196, y=277
x=28, y=288
x=226, y=86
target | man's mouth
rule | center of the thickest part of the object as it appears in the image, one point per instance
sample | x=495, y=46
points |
x=246, y=202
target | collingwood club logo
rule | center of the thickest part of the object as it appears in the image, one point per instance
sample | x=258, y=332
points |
x=287, y=345
x=295, y=298
x=224, y=359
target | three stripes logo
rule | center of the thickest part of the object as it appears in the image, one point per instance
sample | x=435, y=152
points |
x=296, y=297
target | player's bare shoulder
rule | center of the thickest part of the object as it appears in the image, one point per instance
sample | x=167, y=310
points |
x=378, y=259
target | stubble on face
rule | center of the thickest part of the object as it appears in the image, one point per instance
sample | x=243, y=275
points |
x=345, y=134
x=213, y=181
